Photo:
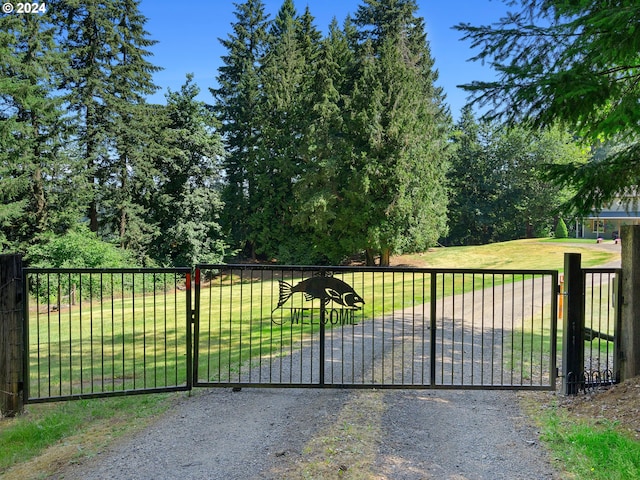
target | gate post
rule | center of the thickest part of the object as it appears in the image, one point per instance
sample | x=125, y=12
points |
x=11, y=336
x=573, y=325
x=630, y=312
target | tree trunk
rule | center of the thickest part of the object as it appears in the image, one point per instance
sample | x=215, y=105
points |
x=385, y=257
x=92, y=210
x=38, y=182
x=370, y=257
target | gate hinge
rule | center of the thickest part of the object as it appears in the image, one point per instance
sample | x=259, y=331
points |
x=193, y=318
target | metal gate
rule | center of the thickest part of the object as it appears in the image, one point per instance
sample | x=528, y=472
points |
x=362, y=327
x=603, y=299
x=103, y=332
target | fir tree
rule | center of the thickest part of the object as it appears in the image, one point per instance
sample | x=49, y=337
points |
x=38, y=191
x=474, y=193
x=287, y=72
x=237, y=100
x=186, y=206
x=575, y=63
x=107, y=80
x=324, y=149
x=399, y=133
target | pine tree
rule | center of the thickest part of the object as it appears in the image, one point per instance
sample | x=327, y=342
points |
x=237, y=100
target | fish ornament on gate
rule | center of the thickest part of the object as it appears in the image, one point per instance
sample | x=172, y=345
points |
x=326, y=289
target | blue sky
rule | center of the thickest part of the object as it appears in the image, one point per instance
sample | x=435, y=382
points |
x=188, y=34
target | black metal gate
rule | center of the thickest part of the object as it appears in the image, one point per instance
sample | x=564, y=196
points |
x=601, y=326
x=102, y=332
x=361, y=327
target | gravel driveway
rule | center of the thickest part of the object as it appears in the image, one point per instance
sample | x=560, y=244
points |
x=291, y=433
x=326, y=433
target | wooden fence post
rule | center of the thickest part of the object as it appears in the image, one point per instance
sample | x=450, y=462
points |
x=630, y=312
x=11, y=338
x=573, y=325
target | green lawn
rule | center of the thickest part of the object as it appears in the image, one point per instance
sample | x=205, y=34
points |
x=535, y=254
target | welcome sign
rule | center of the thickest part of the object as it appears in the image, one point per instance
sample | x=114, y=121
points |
x=327, y=289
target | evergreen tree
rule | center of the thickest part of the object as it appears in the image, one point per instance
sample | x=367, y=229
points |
x=325, y=151
x=399, y=133
x=237, y=100
x=574, y=63
x=287, y=72
x=38, y=189
x=498, y=187
x=186, y=205
x=472, y=213
x=130, y=169
x=561, y=229
x=107, y=80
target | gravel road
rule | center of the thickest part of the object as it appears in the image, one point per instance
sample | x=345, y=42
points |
x=327, y=433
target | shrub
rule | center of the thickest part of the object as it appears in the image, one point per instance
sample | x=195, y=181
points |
x=561, y=229
x=78, y=248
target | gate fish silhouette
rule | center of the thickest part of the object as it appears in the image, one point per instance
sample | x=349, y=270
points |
x=326, y=289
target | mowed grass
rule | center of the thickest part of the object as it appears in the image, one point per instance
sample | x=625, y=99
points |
x=240, y=330
x=240, y=319
x=47, y=426
x=534, y=254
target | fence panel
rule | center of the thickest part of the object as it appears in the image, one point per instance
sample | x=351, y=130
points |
x=601, y=315
x=103, y=332
x=364, y=327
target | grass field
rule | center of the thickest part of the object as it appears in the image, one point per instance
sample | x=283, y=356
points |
x=26, y=434
x=532, y=254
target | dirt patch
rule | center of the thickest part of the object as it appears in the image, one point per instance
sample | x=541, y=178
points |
x=618, y=405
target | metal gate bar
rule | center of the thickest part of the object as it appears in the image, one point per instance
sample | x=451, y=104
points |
x=501, y=333
x=104, y=332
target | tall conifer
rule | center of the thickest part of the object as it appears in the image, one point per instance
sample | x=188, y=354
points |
x=288, y=69
x=186, y=205
x=108, y=79
x=399, y=131
x=237, y=99
x=35, y=174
